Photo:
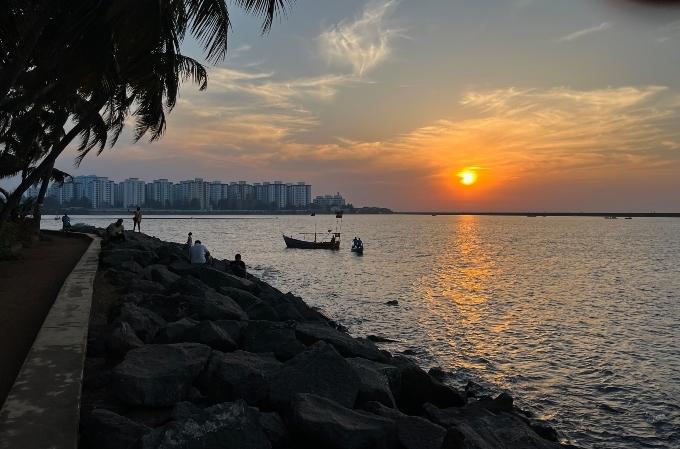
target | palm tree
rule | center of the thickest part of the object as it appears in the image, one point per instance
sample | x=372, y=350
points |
x=133, y=66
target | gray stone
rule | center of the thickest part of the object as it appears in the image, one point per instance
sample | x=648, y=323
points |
x=320, y=370
x=270, y=336
x=104, y=429
x=418, y=387
x=274, y=428
x=239, y=375
x=174, y=332
x=122, y=338
x=228, y=425
x=209, y=306
x=413, y=432
x=131, y=266
x=477, y=427
x=144, y=322
x=321, y=422
x=375, y=383
x=212, y=335
x=217, y=279
x=159, y=375
x=160, y=274
x=251, y=304
x=115, y=256
x=310, y=333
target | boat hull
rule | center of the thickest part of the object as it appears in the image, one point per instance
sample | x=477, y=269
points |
x=358, y=251
x=303, y=244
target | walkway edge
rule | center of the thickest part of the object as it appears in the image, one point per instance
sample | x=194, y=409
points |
x=42, y=409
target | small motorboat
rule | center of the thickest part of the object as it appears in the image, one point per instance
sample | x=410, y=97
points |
x=358, y=250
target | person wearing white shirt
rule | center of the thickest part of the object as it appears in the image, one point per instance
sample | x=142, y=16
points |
x=199, y=253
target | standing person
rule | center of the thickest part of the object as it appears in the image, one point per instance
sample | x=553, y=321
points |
x=190, y=240
x=66, y=222
x=238, y=267
x=199, y=254
x=137, y=220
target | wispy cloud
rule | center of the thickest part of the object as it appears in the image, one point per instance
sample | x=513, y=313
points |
x=581, y=33
x=361, y=44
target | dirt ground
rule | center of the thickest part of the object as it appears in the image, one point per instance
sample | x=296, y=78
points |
x=28, y=288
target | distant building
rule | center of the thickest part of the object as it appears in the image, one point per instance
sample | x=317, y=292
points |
x=330, y=201
x=159, y=193
x=191, y=194
x=133, y=192
x=99, y=191
x=299, y=195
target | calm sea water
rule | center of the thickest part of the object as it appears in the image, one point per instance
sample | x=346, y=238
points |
x=579, y=318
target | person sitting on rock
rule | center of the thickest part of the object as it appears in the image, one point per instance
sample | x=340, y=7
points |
x=115, y=232
x=66, y=222
x=238, y=267
x=199, y=254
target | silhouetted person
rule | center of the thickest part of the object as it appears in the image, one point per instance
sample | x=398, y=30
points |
x=115, y=232
x=190, y=240
x=66, y=222
x=238, y=267
x=137, y=220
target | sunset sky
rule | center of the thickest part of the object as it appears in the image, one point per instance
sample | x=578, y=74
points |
x=561, y=105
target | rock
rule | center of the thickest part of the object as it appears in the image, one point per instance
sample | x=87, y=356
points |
x=218, y=279
x=379, y=339
x=269, y=336
x=394, y=302
x=232, y=425
x=309, y=333
x=144, y=322
x=239, y=375
x=132, y=267
x=321, y=371
x=321, y=422
x=375, y=384
x=477, y=427
x=212, y=335
x=170, y=253
x=413, y=432
x=233, y=328
x=159, y=375
x=181, y=267
x=122, y=338
x=418, y=387
x=104, y=429
x=274, y=428
x=291, y=307
x=138, y=285
x=96, y=340
x=160, y=274
x=211, y=306
x=255, y=308
x=114, y=256
x=544, y=429
x=174, y=332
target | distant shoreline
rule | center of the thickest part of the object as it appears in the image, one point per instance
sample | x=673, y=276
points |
x=556, y=214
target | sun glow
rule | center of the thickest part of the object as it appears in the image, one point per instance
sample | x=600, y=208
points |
x=467, y=177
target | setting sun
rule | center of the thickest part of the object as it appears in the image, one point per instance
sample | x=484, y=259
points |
x=467, y=177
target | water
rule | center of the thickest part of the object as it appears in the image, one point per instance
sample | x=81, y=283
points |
x=579, y=318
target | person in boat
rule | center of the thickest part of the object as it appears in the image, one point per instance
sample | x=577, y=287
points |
x=333, y=239
x=238, y=266
x=199, y=254
x=115, y=232
x=360, y=244
x=355, y=242
x=66, y=222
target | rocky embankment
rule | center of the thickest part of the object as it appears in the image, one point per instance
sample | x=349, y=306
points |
x=183, y=356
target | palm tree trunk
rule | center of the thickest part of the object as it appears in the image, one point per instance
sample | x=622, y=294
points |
x=37, y=209
x=46, y=165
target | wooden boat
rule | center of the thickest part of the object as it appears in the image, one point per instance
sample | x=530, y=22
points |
x=359, y=250
x=333, y=244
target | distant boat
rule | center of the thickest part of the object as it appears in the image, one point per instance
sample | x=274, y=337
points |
x=333, y=244
x=434, y=215
x=629, y=218
x=313, y=214
x=532, y=215
x=358, y=250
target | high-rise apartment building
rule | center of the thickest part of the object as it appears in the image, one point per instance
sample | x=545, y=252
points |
x=133, y=192
x=159, y=193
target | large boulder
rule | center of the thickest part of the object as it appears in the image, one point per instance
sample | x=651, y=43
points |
x=319, y=422
x=115, y=255
x=310, y=333
x=413, y=432
x=174, y=332
x=218, y=279
x=143, y=321
x=375, y=380
x=251, y=304
x=209, y=333
x=160, y=273
x=320, y=370
x=270, y=336
x=209, y=306
x=121, y=338
x=239, y=375
x=289, y=306
x=233, y=425
x=476, y=426
x=159, y=375
x=104, y=429
x=418, y=387
x=275, y=428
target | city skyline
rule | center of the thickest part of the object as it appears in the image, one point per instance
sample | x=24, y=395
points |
x=570, y=106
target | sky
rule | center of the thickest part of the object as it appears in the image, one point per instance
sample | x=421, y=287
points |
x=555, y=105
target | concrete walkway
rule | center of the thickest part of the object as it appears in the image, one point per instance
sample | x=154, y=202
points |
x=43, y=407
